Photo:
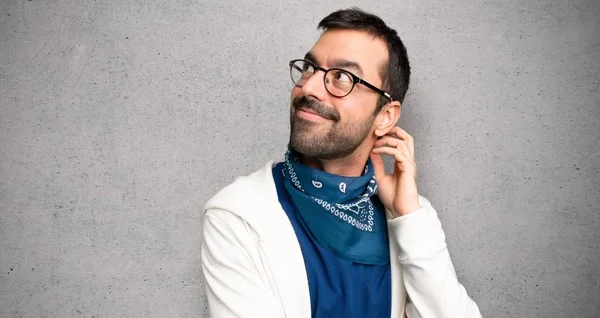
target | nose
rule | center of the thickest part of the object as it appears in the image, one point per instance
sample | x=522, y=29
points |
x=315, y=86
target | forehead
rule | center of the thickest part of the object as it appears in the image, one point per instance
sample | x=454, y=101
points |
x=357, y=46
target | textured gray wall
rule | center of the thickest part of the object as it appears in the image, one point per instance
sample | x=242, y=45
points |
x=118, y=121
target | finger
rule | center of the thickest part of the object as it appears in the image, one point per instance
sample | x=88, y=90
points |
x=394, y=152
x=378, y=166
x=404, y=148
x=396, y=143
x=402, y=134
x=387, y=141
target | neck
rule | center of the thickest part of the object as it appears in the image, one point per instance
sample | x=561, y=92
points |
x=352, y=165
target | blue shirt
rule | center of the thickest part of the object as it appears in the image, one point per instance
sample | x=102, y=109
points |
x=338, y=288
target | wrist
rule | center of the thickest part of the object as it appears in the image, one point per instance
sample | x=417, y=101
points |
x=407, y=209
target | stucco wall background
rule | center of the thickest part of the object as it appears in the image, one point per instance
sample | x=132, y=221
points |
x=118, y=120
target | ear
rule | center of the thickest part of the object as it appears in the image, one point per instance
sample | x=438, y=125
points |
x=387, y=118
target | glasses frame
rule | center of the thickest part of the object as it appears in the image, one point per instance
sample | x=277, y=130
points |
x=355, y=79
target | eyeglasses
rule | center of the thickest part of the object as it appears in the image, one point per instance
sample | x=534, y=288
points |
x=338, y=82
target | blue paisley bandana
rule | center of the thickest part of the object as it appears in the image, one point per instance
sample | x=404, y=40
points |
x=342, y=213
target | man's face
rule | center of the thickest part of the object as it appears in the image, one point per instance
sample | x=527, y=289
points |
x=327, y=127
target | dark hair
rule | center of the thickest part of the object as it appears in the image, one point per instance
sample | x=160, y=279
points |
x=396, y=74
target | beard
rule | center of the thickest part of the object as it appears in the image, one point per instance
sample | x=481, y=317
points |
x=336, y=138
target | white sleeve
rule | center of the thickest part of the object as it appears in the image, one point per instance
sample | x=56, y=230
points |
x=233, y=281
x=428, y=273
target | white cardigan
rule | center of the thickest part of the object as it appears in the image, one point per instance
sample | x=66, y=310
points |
x=253, y=265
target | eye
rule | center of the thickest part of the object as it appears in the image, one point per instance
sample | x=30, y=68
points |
x=343, y=77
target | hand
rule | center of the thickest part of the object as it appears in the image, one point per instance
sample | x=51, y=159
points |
x=398, y=191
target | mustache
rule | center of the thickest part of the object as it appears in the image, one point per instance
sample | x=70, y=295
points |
x=318, y=108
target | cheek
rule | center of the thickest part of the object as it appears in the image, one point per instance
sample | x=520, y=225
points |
x=355, y=110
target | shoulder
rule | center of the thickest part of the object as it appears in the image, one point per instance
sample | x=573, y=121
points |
x=243, y=189
x=250, y=198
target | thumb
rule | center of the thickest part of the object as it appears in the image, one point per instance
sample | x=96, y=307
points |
x=378, y=166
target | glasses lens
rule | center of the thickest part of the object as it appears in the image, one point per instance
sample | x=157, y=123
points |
x=339, y=82
x=301, y=71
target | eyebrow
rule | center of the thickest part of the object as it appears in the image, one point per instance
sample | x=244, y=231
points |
x=337, y=63
x=311, y=58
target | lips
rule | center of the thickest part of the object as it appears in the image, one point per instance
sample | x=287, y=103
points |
x=312, y=112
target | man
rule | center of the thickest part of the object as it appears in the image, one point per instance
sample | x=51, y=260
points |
x=327, y=233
